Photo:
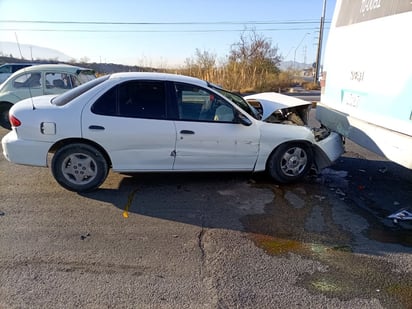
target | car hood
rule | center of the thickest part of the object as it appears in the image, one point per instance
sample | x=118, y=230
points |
x=270, y=102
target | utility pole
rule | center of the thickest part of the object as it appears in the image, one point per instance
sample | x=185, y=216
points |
x=304, y=52
x=296, y=49
x=319, y=53
x=18, y=45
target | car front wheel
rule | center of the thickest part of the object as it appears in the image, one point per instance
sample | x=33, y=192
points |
x=79, y=167
x=290, y=162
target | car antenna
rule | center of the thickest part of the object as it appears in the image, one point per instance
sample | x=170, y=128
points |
x=24, y=70
x=31, y=96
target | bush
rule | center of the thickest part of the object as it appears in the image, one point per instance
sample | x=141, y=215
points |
x=311, y=86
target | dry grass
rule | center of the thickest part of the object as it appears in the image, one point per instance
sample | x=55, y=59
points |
x=240, y=79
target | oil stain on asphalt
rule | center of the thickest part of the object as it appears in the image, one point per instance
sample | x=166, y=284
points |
x=300, y=220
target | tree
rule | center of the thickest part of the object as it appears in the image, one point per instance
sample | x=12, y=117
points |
x=253, y=58
x=202, y=65
x=84, y=59
x=255, y=50
x=252, y=65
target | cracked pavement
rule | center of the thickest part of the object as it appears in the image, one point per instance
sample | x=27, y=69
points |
x=199, y=241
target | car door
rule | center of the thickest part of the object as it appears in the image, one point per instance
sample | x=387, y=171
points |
x=208, y=135
x=130, y=122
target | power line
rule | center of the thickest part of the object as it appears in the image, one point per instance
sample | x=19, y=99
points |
x=271, y=22
x=155, y=31
x=290, y=25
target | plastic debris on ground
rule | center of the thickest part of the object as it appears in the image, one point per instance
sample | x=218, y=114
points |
x=401, y=215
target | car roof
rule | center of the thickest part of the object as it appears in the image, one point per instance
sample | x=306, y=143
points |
x=17, y=63
x=55, y=67
x=159, y=76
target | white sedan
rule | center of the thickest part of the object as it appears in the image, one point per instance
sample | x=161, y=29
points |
x=154, y=122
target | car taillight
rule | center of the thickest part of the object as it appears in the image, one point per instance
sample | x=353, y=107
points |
x=14, y=121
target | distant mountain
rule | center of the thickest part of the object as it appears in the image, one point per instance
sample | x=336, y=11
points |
x=31, y=52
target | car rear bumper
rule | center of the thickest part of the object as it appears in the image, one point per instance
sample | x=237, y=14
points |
x=24, y=152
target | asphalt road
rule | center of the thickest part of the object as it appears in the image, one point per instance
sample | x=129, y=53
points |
x=208, y=240
x=310, y=96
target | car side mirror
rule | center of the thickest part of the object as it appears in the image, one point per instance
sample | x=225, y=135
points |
x=242, y=119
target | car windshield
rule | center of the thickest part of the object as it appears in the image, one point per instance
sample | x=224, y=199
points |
x=239, y=101
x=75, y=92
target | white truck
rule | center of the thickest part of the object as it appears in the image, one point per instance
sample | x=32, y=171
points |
x=367, y=76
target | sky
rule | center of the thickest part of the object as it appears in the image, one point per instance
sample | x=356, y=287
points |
x=163, y=32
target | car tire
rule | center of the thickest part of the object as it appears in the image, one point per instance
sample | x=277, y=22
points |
x=79, y=167
x=4, y=115
x=290, y=162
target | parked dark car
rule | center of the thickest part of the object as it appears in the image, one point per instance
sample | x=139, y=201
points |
x=7, y=69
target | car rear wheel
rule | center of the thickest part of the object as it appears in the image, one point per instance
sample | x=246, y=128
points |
x=4, y=115
x=79, y=167
x=290, y=162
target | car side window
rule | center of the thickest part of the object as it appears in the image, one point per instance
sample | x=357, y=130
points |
x=58, y=80
x=198, y=104
x=17, y=67
x=28, y=80
x=75, y=81
x=6, y=69
x=106, y=104
x=142, y=99
x=136, y=99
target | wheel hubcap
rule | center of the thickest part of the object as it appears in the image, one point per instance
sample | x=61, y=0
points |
x=79, y=168
x=294, y=161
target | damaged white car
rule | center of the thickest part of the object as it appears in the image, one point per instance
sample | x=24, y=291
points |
x=154, y=122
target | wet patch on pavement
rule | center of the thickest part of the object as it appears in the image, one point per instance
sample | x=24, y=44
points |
x=301, y=220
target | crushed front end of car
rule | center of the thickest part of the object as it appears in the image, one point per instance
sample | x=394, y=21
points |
x=278, y=108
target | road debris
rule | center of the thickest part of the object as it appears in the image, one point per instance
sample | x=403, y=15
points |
x=320, y=197
x=340, y=192
x=83, y=237
x=401, y=215
x=1, y=213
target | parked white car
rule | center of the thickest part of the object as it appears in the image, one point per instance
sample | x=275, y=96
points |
x=39, y=80
x=153, y=122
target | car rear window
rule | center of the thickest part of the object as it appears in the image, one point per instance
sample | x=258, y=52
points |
x=85, y=76
x=66, y=97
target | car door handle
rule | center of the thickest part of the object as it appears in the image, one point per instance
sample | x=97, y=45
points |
x=187, y=132
x=93, y=127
